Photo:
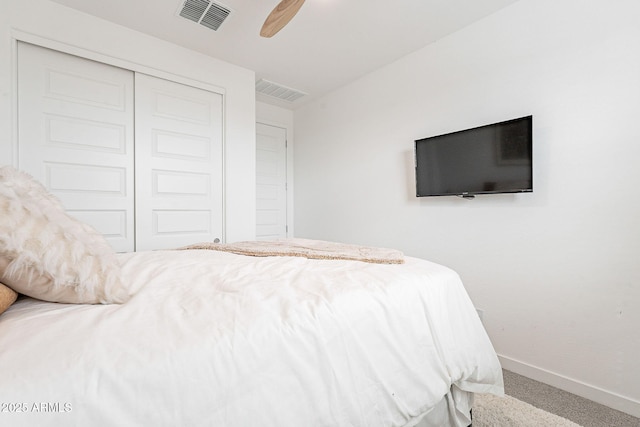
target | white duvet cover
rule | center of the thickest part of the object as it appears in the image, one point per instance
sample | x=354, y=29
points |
x=224, y=340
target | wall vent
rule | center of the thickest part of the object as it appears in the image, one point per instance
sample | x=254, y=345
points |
x=278, y=91
x=204, y=12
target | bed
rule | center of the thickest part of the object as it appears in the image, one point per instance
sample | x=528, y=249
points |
x=204, y=337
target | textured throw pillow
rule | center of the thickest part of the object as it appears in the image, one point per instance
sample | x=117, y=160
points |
x=7, y=297
x=49, y=255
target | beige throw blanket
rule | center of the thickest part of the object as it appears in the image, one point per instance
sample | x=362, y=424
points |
x=313, y=249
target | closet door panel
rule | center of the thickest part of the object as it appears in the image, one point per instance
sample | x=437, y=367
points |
x=75, y=124
x=179, y=172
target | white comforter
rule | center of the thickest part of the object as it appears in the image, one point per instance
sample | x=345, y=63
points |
x=224, y=340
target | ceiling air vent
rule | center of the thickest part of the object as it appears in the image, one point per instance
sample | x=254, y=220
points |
x=278, y=91
x=204, y=12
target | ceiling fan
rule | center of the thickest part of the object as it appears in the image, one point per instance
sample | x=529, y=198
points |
x=280, y=16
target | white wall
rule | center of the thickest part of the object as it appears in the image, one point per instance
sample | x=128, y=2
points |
x=58, y=27
x=557, y=272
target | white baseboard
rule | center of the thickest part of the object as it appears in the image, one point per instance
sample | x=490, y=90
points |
x=604, y=397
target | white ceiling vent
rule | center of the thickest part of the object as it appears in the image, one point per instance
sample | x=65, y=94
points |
x=278, y=91
x=204, y=12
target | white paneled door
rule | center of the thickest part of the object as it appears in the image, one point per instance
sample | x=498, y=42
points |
x=137, y=157
x=271, y=182
x=179, y=171
x=75, y=130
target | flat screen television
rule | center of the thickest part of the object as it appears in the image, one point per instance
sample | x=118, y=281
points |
x=489, y=159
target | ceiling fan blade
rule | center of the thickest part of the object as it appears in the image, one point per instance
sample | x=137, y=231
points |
x=280, y=16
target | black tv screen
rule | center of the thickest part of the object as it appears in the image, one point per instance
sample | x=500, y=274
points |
x=489, y=159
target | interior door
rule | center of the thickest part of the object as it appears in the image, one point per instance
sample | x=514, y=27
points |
x=179, y=167
x=75, y=135
x=271, y=182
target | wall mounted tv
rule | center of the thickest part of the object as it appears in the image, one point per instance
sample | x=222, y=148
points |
x=489, y=159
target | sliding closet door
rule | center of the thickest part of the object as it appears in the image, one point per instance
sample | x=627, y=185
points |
x=75, y=124
x=179, y=168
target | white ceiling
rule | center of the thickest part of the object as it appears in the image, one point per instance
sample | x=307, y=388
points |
x=328, y=44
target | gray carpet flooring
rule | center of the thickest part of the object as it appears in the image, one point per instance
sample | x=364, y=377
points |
x=577, y=409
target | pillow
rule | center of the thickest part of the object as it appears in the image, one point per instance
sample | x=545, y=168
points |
x=7, y=297
x=49, y=255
